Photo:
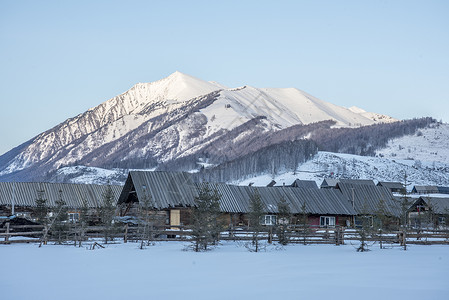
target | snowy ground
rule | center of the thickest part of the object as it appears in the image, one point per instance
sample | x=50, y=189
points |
x=165, y=271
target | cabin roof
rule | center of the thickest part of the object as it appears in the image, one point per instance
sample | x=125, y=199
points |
x=428, y=189
x=391, y=185
x=367, y=198
x=437, y=204
x=162, y=189
x=175, y=189
x=309, y=184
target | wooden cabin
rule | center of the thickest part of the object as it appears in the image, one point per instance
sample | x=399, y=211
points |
x=429, y=212
x=308, y=184
x=425, y=189
x=394, y=187
x=333, y=182
x=23, y=196
x=366, y=200
x=172, y=195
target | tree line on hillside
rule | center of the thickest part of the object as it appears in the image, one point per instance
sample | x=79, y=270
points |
x=271, y=159
x=367, y=139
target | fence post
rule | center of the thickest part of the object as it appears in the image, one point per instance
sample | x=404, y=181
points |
x=404, y=239
x=338, y=236
x=7, y=233
x=125, y=237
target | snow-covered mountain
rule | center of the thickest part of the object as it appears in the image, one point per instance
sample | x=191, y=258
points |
x=174, y=117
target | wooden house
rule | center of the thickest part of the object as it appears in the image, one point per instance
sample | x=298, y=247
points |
x=308, y=184
x=21, y=197
x=169, y=194
x=443, y=189
x=425, y=189
x=429, y=212
x=172, y=195
x=394, y=187
x=329, y=183
x=369, y=200
x=333, y=182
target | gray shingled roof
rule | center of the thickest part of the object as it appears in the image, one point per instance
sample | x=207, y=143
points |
x=438, y=205
x=443, y=189
x=164, y=189
x=332, y=182
x=309, y=184
x=170, y=189
x=237, y=199
x=26, y=193
x=329, y=182
x=367, y=197
x=391, y=185
x=425, y=189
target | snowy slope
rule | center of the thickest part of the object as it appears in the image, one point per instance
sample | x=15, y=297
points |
x=338, y=165
x=164, y=120
x=427, y=145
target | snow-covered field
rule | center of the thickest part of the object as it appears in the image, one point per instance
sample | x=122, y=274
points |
x=165, y=271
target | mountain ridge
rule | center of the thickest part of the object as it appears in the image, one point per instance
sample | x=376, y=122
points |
x=163, y=120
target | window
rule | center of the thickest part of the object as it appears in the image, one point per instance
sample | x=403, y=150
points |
x=268, y=220
x=361, y=221
x=327, y=221
x=74, y=217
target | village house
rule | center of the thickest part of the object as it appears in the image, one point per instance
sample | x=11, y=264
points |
x=309, y=184
x=333, y=182
x=21, y=197
x=394, y=187
x=429, y=212
x=425, y=189
x=370, y=200
x=172, y=197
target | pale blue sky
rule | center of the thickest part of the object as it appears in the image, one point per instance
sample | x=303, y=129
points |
x=59, y=58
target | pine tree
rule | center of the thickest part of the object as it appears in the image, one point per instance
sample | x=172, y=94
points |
x=305, y=228
x=365, y=229
x=59, y=220
x=206, y=226
x=84, y=220
x=284, y=216
x=404, y=203
x=107, y=214
x=146, y=223
x=255, y=215
x=41, y=210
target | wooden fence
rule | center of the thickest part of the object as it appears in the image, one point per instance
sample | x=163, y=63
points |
x=310, y=235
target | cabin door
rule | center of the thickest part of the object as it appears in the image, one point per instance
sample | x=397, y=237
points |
x=175, y=218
